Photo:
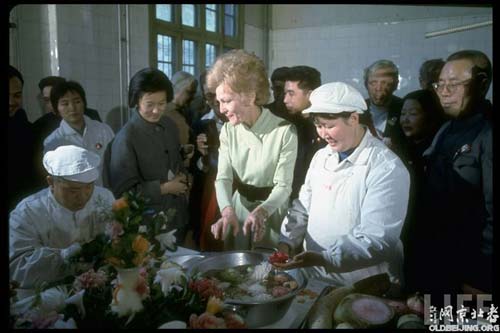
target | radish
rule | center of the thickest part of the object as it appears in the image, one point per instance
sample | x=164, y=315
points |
x=320, y=315
x=416, y=304
x=363, y=311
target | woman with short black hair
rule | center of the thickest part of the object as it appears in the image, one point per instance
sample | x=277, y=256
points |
x=69, y=100
x=145, y=154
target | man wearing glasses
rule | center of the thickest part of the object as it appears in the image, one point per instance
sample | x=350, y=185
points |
x=458, y=190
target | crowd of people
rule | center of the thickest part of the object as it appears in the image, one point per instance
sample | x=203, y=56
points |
x=347, y=186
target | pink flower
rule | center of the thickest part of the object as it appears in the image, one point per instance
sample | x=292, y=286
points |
x=206, y=320
x=90, y=279
x=114, y=230
x=142, y=287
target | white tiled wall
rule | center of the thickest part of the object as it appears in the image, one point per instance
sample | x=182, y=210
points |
x=91, y=54
x=88, y=41
x=254, y=41
x=341, y=52
x=29, y=56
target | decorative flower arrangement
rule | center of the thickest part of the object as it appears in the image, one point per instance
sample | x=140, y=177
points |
x=132, y=283
x=135, y=235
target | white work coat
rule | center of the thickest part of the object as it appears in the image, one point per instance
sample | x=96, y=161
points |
x=39, y=228
x=95, y=138
x=352, y=212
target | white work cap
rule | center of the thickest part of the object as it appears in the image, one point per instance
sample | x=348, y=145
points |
x=72, y=163
x=336, y=97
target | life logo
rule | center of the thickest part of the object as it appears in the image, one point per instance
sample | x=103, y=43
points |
x=474, y=318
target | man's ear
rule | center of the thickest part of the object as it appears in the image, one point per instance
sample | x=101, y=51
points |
x=482, y=84
x=395, y=84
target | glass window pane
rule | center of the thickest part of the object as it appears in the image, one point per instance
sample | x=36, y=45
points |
x=164, y=12
x=188, y=52
x=211, y=20
x=229, y=25
x=164, y=44
x=209, y=55
x=188, y=15
x=229, y=9
x=166, y=68
x=212, y=7
x=189, y=69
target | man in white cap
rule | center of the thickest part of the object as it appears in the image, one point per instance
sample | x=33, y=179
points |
x=351, y=208
x=49, y=227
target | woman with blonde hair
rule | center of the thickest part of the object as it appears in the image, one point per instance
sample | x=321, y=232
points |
x=256, y=156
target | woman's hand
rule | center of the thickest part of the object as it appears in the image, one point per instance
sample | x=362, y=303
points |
x=256, y=222
x=220, y=228
x=201, y=144
x=304, y=259
x=177, y=186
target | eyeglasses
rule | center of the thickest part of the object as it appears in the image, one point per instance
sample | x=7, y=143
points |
x=451, y=87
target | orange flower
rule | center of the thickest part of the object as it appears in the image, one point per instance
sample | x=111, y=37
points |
x=119, y=204
x=140, y=244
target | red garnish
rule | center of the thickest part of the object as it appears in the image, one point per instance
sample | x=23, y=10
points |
x=278, y=257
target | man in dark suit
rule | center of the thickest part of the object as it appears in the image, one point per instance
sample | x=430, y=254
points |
x=457, y=235
x=300, y=81
x=278, y=87
x=381, y=80
x=19, y=144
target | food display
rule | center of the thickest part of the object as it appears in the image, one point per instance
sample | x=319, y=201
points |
x=250, y=283
x=364, y=305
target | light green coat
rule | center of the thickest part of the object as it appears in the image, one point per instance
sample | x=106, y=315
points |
x=262, y=156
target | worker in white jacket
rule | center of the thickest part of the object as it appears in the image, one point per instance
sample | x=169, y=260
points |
x=49, y=227
x=351, y=208
x=68, y=99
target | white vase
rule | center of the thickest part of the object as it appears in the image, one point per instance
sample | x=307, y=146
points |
x=126, y=299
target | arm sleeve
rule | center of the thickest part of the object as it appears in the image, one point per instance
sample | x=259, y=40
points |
x=224, y=180
x=382, y=214
x=283, y=175
x=487, y=171
x=294, y=226
x=481, y=271
x=124, y=172
x=50, y=143
x=31, y=263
